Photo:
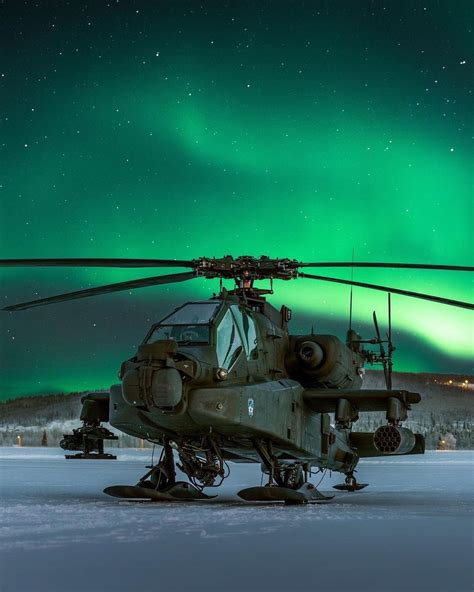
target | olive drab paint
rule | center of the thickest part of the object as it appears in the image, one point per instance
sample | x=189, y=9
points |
x=276, y=387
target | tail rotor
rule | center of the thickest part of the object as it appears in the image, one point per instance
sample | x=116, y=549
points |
x=385, y=358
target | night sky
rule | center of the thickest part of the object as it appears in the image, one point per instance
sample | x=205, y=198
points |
x=184, y=129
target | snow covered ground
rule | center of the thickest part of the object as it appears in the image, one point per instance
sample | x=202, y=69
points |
x=412, y=529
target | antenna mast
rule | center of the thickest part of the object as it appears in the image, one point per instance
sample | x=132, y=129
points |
x=389, y=345
x=350, y=299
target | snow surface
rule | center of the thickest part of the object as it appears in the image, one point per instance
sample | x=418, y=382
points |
x=412, y=529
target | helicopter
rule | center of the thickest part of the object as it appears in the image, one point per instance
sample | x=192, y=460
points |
x=223, y=380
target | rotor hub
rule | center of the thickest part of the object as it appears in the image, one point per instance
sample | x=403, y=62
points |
x=246, y=269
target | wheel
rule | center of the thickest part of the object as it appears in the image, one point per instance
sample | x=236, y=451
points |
x=351, y=481
x=293, y=476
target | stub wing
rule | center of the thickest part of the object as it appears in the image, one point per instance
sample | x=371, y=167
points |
x=327, y=401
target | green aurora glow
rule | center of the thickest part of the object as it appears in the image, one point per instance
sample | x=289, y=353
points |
x=292, y=129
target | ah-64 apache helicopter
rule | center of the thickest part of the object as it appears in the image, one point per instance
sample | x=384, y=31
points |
x=224, y=380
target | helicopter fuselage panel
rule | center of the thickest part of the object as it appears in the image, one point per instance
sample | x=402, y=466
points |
x=239, y=415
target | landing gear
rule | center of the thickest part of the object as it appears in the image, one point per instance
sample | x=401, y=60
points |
x=203, y=464
x=350, y=484
x=162, y=475
x=286, y=483
x=177, y=492
x=160, y=484
x=293, y=476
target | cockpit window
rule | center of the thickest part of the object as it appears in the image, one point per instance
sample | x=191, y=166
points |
x=183, y=334
x=194, y=312
x=247, y=330
x=188, y=325
x=229, y=344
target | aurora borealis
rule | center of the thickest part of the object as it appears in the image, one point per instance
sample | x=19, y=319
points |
x=184, y=129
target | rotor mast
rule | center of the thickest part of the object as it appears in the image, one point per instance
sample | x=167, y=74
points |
x=245, y=270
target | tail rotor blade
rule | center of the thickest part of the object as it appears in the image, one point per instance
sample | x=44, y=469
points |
x=389, y=319
x=383, y=357
x=390, y=344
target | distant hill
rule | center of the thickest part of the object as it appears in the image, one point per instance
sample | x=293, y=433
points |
x=28, y=410
x=447, y=408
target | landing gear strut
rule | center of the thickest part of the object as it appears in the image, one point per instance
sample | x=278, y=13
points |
x=161, y=475
x=159, y=483
x=286, y=483
x=350, y=483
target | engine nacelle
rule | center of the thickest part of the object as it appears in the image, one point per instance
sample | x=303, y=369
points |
x=324, y=361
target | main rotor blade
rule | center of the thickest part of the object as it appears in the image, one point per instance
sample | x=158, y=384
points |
x=95, y=262
x=438, y=299
x=390, y=265
x=119, y=287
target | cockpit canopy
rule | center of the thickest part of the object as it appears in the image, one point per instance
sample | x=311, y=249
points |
x=230, y=328
x=187, y=325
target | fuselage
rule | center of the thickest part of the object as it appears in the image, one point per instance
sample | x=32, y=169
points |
x=223, y=368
